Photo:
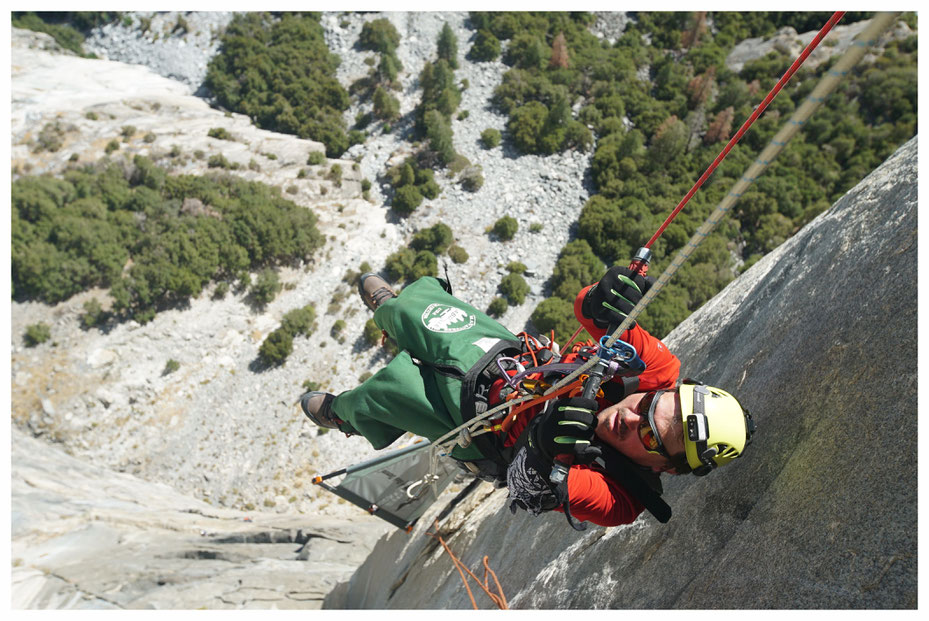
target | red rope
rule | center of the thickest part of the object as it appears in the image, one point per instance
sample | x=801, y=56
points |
x=761, y=108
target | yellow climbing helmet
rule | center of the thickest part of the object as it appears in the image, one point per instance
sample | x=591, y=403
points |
x=716, y=426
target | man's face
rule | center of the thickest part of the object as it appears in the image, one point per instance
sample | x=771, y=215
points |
x=618, y=426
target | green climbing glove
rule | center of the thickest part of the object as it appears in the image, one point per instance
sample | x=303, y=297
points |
x=611, y=300
x=566, y=428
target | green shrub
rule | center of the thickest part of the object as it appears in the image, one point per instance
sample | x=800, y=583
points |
x=526, y=126
x=436, y=238
x=386, y=106
x=388, y=69
x=425, y=264
x=171, y=366
x=127, y=132
x=577, y=266
x=497, y=307
x=219, y=161
x=337, y=327
x=356, y=137
x=514, y=287
x=536, y=227
x=93, y=313
x=486, y=47
x=299, y=321
x=505, y=228
x=490, y=138
x=36, y=334
x=407, y=264
x=111, y=146
x=429, y=189
x=91, y=116
x=379, y=35
x=50, y=138
x=311, y=386
x=372, y=334
x=458, y=164
x=472, y=178
x=221, y=290
x=406, y=199
x=316, y=158
x=267, y=286
x=219, y=133
x=458, y=254
x=149, y=137
x=276, y=348
x=515, y=267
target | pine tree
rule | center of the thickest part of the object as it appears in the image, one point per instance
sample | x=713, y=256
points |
x=691, y=36
x=559, y=52
x=448, y=46
x=701, y=86
x=720, y=128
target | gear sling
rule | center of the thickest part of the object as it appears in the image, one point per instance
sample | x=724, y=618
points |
x=433, y=385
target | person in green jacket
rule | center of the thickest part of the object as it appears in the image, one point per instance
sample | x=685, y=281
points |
x=447, y=347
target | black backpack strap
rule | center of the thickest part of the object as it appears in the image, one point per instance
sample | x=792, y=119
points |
x=478, y=377
x=642, y=484
x=620, y=388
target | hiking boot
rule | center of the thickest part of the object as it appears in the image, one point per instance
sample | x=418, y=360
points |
x=316, y=407
x=374, y=290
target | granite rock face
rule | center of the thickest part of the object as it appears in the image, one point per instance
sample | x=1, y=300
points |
x=84, y=537
x=818, y=340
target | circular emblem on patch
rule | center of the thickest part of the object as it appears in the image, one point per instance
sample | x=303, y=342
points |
x=445, y=318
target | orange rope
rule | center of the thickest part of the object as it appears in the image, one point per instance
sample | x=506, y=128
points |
x=573, y=336
x=493, y=574
x=535, y=361
x=497, y=598
x=506, y=424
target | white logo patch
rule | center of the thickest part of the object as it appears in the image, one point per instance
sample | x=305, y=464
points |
x=446, y=319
